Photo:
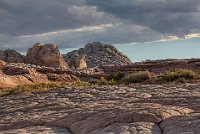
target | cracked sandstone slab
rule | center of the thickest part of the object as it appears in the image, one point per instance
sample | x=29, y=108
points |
x=85, y=110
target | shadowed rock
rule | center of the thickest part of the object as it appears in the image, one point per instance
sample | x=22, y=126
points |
x=37, y=130
x=130, y=128
x=11, y=56
x=189, y=124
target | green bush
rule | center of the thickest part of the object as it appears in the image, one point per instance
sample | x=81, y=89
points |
x=181, y=74
x=115, y=76
x=137, y=77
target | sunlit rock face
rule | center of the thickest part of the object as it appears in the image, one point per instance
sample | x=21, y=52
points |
x=46, y=55
x=2, y=64
x=96, y=54
x=12, y=76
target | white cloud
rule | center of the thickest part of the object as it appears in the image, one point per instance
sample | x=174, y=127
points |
x=192, y=35
x=99, y=28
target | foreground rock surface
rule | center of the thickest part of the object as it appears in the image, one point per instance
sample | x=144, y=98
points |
x=96, y=54
x=143, y=109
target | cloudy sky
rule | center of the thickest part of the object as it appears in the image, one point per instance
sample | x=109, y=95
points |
x=73, y=23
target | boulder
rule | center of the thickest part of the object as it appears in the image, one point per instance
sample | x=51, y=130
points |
x=11, y=56
x=46, y=55
x=96, y=55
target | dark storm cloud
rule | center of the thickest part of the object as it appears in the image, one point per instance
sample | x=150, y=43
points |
x=22, y=17
x=119, y=33
x=176, y=17
x=25, y=22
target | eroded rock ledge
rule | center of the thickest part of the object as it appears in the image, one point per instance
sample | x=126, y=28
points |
x=145, y=109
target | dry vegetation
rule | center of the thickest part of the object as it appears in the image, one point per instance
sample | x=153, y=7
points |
x=178, y=75
x=144, y=77
x=41, y=87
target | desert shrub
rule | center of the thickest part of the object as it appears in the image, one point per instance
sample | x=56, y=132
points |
x=181, y=74
x=115, y=76
x=34, y=87
x=29, y=88
x=41, y=87
x=102, y=81
x=80, y=84
x=94, y=82
x=137, y=77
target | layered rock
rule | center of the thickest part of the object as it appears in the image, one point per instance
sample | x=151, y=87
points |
x=182, y=124
x=11, y=76
x=157, y=66
x=11, y=56
x=142, y=109
x=14, y=74
x=96, y=54
x=46, y=55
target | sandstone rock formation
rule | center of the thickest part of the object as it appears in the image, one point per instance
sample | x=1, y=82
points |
x=96, y=54
x=80, y=62
x=46, y=55
x=38, y=130
x=11, y=76
x=2, y=64
x=167, y=109
x=182, y=124
x=11, y=56
x=14, y=74
x=164, y=109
